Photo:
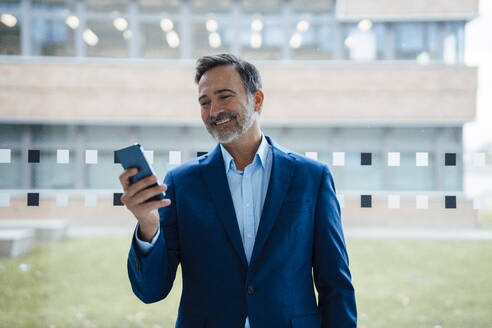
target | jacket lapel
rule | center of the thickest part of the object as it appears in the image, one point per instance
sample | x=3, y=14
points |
x=213, y=172
x=280, y=177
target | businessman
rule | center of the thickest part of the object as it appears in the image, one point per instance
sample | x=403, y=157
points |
x=250, y=222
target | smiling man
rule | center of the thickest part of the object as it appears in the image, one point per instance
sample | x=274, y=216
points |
x=251, y=223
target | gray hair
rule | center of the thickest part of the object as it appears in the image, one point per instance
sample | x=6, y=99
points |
x=250, y=77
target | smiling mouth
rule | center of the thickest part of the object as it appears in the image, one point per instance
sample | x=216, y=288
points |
x=224, y=121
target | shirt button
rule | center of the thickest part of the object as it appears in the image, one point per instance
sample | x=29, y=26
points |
x=250, y=235
x=251, y=290
x=247, y=204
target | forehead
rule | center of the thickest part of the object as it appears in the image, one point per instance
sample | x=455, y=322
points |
x=220, y=77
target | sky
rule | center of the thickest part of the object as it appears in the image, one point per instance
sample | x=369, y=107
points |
x=478, y=52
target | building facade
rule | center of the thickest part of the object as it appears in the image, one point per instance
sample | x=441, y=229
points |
x=342, y=80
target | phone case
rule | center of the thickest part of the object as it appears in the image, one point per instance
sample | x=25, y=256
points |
x=134, y=156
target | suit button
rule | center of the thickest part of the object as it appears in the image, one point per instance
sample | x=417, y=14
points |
x=251, y=289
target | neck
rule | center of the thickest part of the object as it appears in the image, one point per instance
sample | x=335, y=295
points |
x=244, y=148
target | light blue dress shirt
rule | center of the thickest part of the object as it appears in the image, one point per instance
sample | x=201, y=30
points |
x=248, y=190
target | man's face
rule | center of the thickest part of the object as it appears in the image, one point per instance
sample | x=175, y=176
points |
x=226, y=110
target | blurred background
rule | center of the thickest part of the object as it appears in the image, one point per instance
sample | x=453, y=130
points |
x=393, y=95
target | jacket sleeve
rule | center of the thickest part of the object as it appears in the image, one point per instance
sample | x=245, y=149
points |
x=332, y=278
x=152, y=274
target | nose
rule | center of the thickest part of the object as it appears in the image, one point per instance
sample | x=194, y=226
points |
x=214, y=109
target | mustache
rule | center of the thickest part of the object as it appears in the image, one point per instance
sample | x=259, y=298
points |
x=224, y=115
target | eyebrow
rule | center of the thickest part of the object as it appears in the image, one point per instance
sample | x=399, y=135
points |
x=217, y=92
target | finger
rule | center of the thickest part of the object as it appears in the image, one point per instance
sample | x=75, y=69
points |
x=145, y=194
x=125, y=177
x=156, y=204
x=142, y=184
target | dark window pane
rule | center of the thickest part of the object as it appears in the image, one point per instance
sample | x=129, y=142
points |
x=52, y=37
x=10, y=34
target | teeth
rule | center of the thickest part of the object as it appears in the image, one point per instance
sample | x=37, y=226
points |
x=223, y=121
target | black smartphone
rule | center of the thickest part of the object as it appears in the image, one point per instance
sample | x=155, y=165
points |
x=134, y=157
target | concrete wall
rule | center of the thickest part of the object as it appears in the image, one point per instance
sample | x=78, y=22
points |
x=405, y=9
x=298, y=93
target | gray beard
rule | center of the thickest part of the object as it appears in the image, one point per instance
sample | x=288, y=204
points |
x=242, y=124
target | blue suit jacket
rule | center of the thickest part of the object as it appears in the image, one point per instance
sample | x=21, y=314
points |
x=300, y=233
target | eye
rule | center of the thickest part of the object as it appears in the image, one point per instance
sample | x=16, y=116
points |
x=225, y=97
x=205, y=103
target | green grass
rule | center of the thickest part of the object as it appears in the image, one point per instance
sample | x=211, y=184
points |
x=485, y=218
x=422, y=283
x=485, y=215
x=84, y=283
x=77, y=283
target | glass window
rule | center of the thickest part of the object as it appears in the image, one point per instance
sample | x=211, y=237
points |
x=379, y=33
x=106, y=40
x=107, y=136
x=48, y=174
x=311, y=40
x=52, y=37
x=410, y=36
x=161, y=163
x=104, y=174
x=450, y=43
x=10, y=173
x=158, y=44
x=409, y=40
x=434, y=42
x=10, y=31
x=424, y=41
x=211, y=36
x=452, y=174
x=363, y=42
x=264, y=43
x=362, y=177
x=57, y=135
x=10, y=4
x=10, y=134
x=408, y=176
x=412, y=138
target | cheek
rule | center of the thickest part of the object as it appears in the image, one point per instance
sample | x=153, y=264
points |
x=205, y=115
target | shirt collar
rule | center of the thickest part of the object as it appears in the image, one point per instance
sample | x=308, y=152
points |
x=261, y=153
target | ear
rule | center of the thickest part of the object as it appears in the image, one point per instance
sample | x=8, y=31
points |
x=258, y=99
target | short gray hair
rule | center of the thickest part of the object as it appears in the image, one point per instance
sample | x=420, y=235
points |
x=250, y=77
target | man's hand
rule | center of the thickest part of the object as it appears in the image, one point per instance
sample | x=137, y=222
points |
x=134, y=198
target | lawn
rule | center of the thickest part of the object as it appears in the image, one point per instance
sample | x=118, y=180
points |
x=399, y=283
x=485, y=218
